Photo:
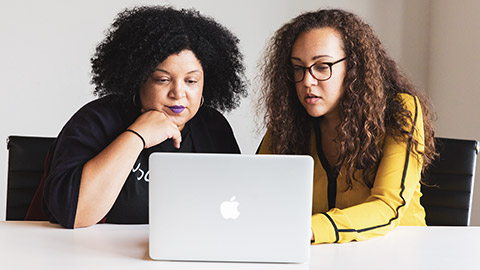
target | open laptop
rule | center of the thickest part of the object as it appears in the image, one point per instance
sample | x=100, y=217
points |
x=230, y=207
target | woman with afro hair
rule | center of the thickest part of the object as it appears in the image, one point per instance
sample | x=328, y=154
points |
x=331, y=91
x=162, y=75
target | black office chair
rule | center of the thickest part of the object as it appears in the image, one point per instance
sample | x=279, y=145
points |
x=447, y=197
x=26, y=157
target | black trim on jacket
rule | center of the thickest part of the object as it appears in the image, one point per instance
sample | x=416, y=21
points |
x=332, y=173
x=405, y=167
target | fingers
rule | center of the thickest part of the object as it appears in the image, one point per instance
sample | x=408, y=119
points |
x=176, y=135
x=158, y=127
x=177, y=139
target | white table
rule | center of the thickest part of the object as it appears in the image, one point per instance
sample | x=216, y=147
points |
x=40, y=245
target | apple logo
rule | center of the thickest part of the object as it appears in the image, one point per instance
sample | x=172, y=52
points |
x=229, y=209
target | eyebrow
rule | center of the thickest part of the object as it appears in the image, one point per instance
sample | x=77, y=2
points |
x=163, y=70
x=316, y=57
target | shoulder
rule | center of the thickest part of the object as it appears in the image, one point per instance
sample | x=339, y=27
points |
x=212, y=132
x=106, y=110
x=212, y=118
x=409, y=102
x=101, y=118
x=106, y=105
x=411, y=119
x=265, y=144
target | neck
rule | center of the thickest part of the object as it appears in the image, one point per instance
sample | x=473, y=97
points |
x=330, y=122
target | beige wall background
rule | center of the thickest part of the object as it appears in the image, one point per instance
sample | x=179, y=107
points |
x=454, y=74
x=46, y=46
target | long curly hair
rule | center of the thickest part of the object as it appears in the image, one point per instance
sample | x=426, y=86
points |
x=369, y=108
x=142, y=37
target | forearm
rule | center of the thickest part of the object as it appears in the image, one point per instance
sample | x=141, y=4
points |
x=103, y=178
x=360, y=222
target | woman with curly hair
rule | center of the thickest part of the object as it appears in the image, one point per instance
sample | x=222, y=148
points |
x=160, y=74
x=331, y=91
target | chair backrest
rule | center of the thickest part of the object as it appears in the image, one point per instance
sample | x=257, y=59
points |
x=26, y=157
x=447, y=197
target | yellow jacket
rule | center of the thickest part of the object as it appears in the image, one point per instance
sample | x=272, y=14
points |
x=362, y=213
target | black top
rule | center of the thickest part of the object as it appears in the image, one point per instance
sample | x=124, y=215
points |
x=94, y=127
x=332, y=173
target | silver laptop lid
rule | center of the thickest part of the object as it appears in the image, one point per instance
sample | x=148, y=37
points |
x=230, y=207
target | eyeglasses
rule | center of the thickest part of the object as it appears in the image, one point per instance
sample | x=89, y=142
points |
x=320, y=71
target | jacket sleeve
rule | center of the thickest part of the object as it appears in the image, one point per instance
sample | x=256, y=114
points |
x=396, y=180
x=84, y=136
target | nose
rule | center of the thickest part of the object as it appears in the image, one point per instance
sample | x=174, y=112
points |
x=178, y=90
x=308, y=79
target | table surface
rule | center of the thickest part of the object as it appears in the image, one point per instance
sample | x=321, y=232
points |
x=41, y=245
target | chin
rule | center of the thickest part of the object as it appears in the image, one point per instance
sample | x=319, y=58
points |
x=179, y=122
x=314, y=113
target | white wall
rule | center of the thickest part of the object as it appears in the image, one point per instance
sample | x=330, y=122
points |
x=454, y=74
x=46, y=46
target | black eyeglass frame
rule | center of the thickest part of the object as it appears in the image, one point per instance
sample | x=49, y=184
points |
x=329, y=64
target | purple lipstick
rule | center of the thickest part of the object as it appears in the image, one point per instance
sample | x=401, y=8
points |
x=177, y=108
